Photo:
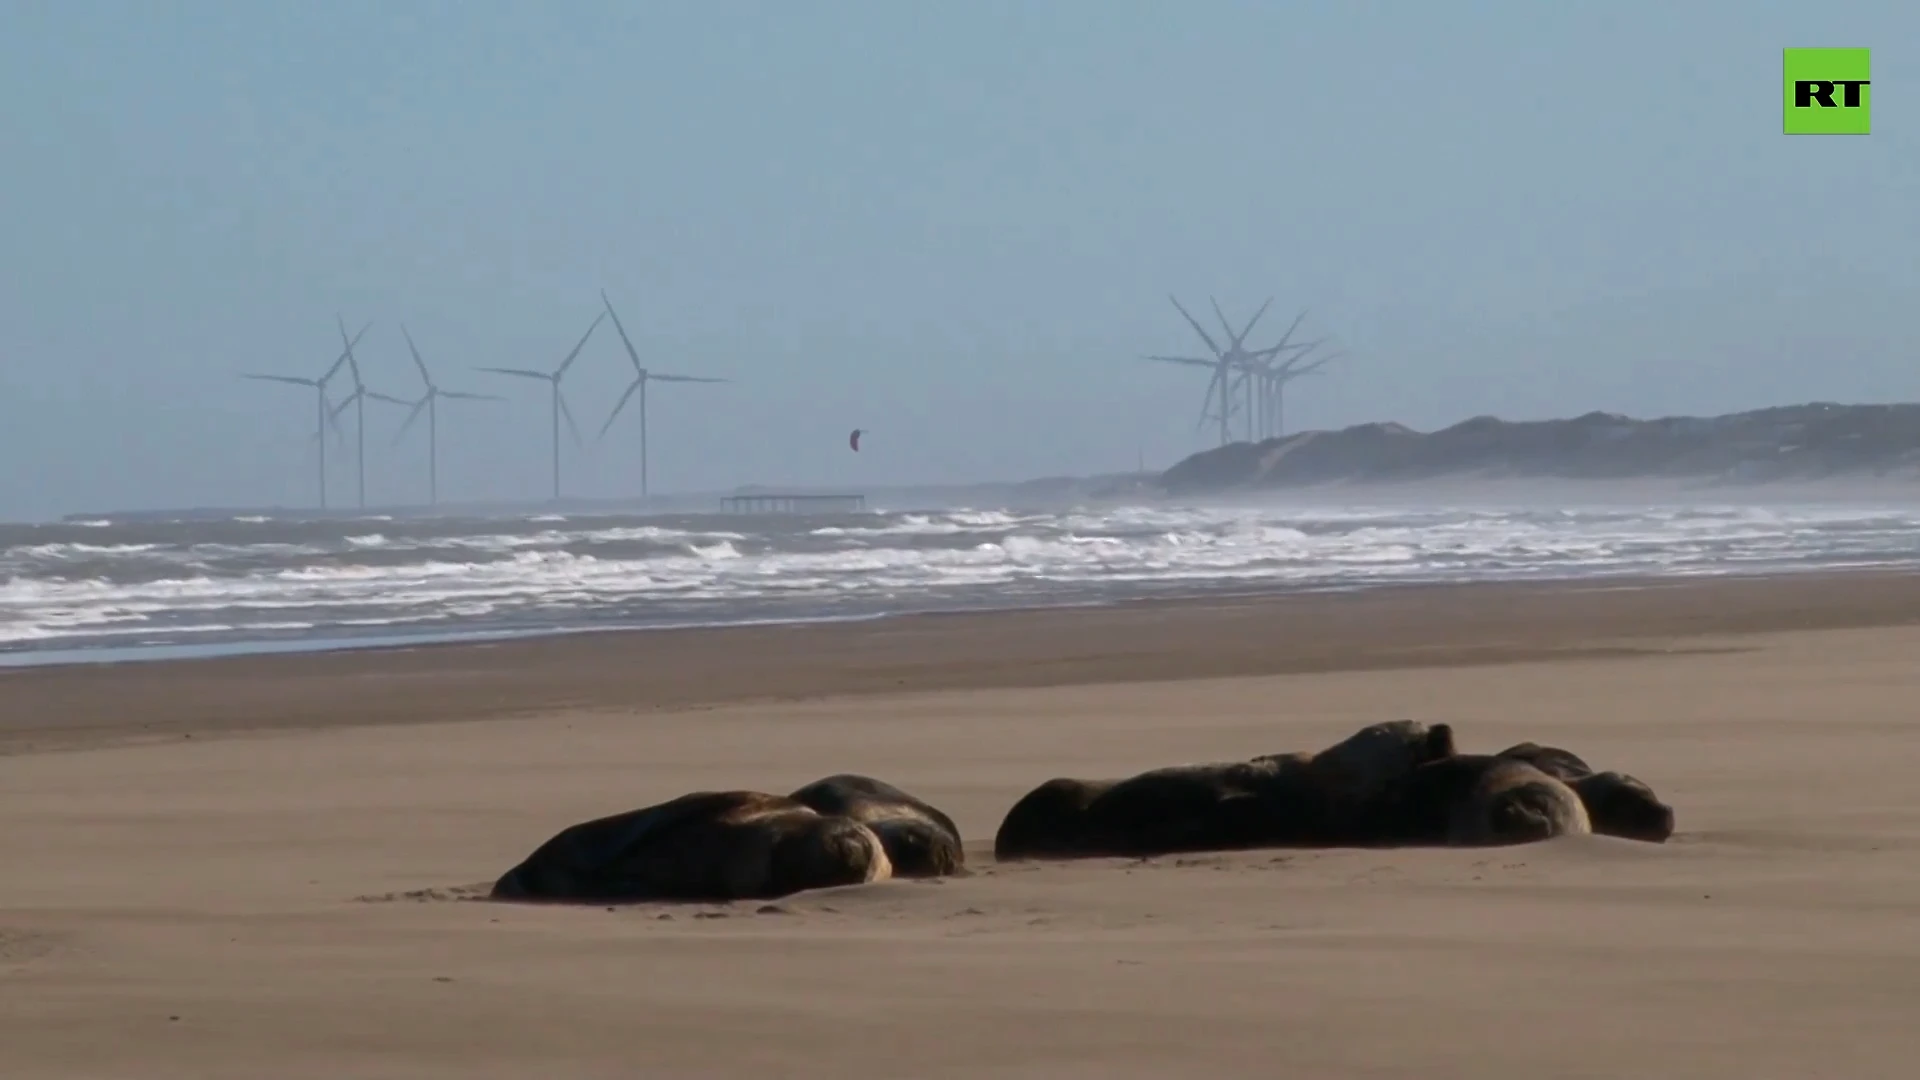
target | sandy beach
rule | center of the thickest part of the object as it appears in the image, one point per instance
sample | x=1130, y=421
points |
x=263, y=866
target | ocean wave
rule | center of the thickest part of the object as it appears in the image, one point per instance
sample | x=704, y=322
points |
x=75, y=585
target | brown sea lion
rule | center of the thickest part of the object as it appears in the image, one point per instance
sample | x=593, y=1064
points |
x=1050, y=822
x=1277, y=800
x=1555, y=762
x=1215, y=806
x=1617, y=804
x=1355, y=773
x=920, y=840
x=1472, y=800
x=710, y=845
x=1623, y=806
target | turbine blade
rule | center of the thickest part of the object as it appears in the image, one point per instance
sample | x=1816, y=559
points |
x=1304, y=347
x=342, y=359
x=418, y=407
x=344, y=402
x=1313, y=367
x=624, y=340
x=632, y=388
x=417, y=362
x=353, y=364
x=1256, y=318
x=567, y=413
x=467, y=397
x=521, y=372
x=1196, y=326
x=1224, y=324
x=333, y=418
x=1190, y=361
x=1288, y=336
x=1206, y=402
x=575, y=354
x=1306, y=350
x=285, y=379
x=657, y=377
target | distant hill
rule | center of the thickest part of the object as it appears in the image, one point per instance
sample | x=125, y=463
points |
x=1797, y=442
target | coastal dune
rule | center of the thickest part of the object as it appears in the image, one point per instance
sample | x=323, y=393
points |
x=270, y=866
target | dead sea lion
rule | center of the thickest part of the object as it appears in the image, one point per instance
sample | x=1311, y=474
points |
x=920, y=840
x=1564, y=764
x=1355, y=773
x=1277, y=800
x=1623, y=806
x=725, y=845
x=1204, y=807
x=1049, y=822
x=1617, y=804
x=1473, y=800
x=1177, y=808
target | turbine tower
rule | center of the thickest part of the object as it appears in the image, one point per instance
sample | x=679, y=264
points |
x=325, y=415
x=429, y=401
x=1276, y=388
x=560, y=409
x=1225, y=361
x=358, y=399
x=1256, y=380
x=642, y=376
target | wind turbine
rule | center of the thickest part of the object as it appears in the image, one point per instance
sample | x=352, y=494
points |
x=560, y=409
x=642, y=376
x=1256, y=378
x=1224, y=362
x=325, y=415
x=1227, y=363
x=430, y=402
x=1275, y=380
x=1244, y=362
x=358, y=399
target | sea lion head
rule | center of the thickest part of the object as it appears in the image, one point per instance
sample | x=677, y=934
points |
x=1050, y=821
x=1371, y=760
x=1624, y=806
x=921, y=841
x=917, y=847
x=1515, y=803
x=818, y=852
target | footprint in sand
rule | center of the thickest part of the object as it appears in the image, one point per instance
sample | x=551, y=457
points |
x=19, y=945
x=425, y=896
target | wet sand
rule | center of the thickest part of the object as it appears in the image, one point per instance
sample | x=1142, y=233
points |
x=260, y=866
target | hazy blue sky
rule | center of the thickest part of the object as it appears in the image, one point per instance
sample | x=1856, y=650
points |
x=955, y=224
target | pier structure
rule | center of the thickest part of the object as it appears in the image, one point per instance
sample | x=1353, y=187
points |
x=775, y=503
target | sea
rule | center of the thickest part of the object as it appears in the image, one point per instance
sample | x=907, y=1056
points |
x=103, y=589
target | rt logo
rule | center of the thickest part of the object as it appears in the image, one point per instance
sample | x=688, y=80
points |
x=1827, y=92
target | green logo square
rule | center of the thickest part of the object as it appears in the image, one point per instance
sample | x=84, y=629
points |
x=1827, y=92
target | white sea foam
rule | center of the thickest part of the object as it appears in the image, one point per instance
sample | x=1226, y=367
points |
x=548, y=572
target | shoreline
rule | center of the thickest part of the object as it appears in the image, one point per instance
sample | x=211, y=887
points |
x=652, y=671
x=331, y=642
